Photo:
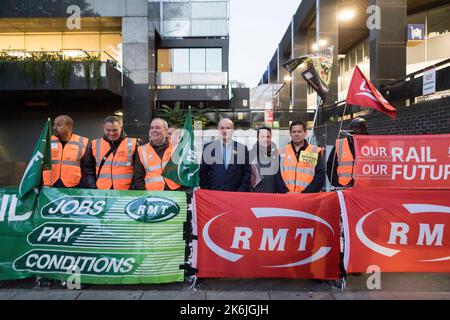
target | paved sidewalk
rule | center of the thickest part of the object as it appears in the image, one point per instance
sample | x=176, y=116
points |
x=394, y=286
x=61, y=294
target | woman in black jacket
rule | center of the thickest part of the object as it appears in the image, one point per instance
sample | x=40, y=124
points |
x=265, y=165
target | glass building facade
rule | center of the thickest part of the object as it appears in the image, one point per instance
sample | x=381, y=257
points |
x=192, y=18
x=190, y=60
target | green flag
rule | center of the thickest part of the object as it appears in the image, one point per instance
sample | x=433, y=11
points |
x=40, y=160
x=183, y=166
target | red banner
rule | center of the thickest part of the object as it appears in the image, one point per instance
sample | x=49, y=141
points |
x=407, y=162
x=251, y=235
x=398, y=230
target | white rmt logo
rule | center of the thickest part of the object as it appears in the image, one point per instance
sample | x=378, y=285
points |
x=399, y=231
x=365, y=91
x=269, y=241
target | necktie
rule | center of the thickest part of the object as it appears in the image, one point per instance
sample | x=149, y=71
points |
x=225, y=157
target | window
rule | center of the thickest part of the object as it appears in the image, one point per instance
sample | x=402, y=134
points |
x=177, y=28
x=164, y=60
x=209, y=10
x=177, y=10
x=213, y=60
x=198, y=60
x=108, y=43
x=52, y=42
x=205, y=28
x=180, y=60
x=190, y=60
x=195, y=18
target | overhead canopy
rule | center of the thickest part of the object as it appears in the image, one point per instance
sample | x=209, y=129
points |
x=263, y=94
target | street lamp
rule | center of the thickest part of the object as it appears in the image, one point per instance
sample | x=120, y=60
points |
x=346, y=14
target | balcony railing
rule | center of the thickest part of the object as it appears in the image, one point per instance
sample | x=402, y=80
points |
x=191, y=79
x=65, y=69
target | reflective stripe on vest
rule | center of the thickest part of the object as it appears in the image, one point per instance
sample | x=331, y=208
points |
x=66, y=161
x=117, y=170
x=154, y=167
x=297, y=175
x=345, y=162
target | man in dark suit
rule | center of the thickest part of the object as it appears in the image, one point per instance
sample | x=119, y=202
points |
x=225, y=162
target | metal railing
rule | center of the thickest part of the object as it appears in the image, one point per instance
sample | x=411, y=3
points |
x=244, y=118
x=408, y=87
x=66, y=53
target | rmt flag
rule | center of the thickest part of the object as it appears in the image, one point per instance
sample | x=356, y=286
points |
x=363, y=93
x=40, y=160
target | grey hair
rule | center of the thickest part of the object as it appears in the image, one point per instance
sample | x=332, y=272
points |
x=164, y=122
x=226, y=119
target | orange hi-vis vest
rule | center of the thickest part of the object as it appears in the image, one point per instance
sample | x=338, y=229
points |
x=345, y=162
x=66, y=161
x=297, y=175
x=117, y=171
x=154, y=167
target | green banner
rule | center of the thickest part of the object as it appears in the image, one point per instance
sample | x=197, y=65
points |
x=103, y=236
x=16, y=221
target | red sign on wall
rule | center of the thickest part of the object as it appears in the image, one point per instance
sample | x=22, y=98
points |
x=407, y=162
x=397, y=231
x=268, y=116
x=251, y=235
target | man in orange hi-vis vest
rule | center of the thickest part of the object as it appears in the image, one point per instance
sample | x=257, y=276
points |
x=153, y=158
x=342, y=157
x=111, y=158
x=68, y=157
x=302, y=165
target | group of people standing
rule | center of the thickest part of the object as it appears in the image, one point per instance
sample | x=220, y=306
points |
x=112, y=162
x=228, y=166
x=116, y=161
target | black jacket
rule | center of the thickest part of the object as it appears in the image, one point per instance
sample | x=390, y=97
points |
x=214, y=176
x=267, y=167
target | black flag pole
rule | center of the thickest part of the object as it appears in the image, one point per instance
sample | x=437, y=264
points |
x=338, y=137
x=319, y=104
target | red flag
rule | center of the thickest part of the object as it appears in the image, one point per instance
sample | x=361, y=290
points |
x=363, y=93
